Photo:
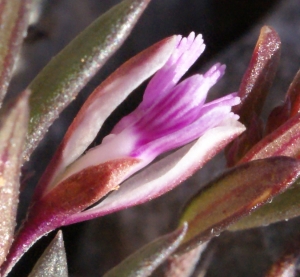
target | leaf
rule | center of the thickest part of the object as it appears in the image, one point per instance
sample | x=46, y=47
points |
x=143, y=262
x=13, y=128
x=14, y=22
x=293, y=95
x=284, y=141
x=242, y=144
x=66, y=74
x=253, y=90
x=259, y=75
x=233, y=195
x=282, y=207
x=53, y=262
x=185, y=264
x=278, y=116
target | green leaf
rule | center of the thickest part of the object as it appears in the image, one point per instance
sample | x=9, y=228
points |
x=13, y=128
x=53, y=262
x=283, y=141
x=143, y=262
x=66, y=74
x=14, y=23
x=282, y=207
x=234, y=194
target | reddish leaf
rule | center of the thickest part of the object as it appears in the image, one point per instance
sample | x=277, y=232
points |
x=282, y=207
x=241, y=145
x=278, y=116
x=294, y=95
x=259, y=75
x=234, y=194
x=284, y=141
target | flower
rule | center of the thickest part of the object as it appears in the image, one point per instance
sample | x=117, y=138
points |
x=172, y=116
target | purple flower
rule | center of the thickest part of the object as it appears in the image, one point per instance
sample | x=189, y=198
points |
x=172, y=116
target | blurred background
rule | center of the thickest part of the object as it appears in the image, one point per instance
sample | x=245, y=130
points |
x=230, y=29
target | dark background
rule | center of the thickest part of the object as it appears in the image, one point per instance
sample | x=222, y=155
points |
x=230, y=29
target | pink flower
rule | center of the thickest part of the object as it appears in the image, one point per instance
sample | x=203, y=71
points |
x=173, y=115
x=170, y=115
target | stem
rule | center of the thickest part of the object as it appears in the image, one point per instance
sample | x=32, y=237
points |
x=27, y=235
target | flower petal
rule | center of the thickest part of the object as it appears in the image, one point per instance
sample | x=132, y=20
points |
x=165, y=174
x=183, y=57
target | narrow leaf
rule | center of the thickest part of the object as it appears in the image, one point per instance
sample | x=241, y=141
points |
x=233, y=195
x=53, y=262
x=143, y=262
x=293, y=95
x=66, y=74
x=185, y=264
x=278, y=116
x=283, y=207
x=13, y=128
x=242, y=144
x=259, y=75
x=14, y=22
x=284, y=141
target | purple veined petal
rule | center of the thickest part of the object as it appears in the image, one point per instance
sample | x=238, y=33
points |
x=165, y=174
x=183, y=102
x=127, y=143
x=167, y=125
x=228, y=100
x=176, y=104
x=174, y=108
x=184, y=135
x=183, y=57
